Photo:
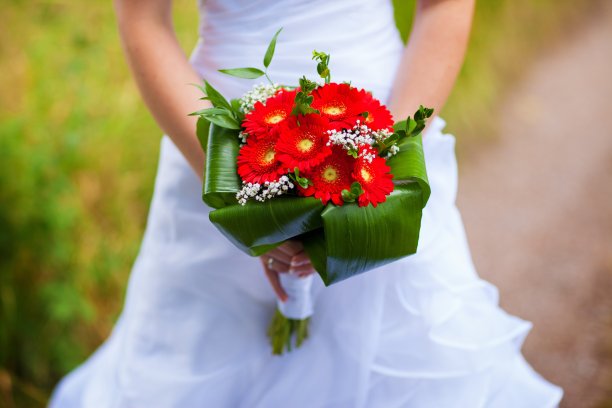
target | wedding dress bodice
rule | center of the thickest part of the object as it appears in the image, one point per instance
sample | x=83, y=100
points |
x=360, y=35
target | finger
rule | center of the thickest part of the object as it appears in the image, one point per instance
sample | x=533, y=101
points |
x=279, y=255
x=300, y=259
x=306, y=273
x=302, y=268
x=278, y=266
x=274, y=282
x=291, y=248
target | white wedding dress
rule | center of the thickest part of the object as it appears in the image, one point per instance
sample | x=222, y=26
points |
x=421, y=332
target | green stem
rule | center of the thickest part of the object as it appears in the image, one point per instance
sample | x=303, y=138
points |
x=286, y=334
x=266, y=74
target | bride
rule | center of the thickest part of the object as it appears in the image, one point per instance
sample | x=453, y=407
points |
x=422, y=332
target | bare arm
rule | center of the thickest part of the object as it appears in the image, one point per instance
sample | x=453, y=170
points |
x=163, y=74
x=162, y=71
x=433, y=57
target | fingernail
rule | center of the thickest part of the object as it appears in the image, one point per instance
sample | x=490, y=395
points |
x=298, y=263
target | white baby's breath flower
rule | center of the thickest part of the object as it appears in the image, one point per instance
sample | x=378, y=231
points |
x=393, y=150
x=265, y=191
x=259, y=93
x=243, y=137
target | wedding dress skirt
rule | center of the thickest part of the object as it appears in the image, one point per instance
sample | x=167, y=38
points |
x=421, y=332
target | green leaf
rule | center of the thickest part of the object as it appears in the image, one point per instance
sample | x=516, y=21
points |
x=270, y=51
x=358, y=239
x=347, y=196
x=302, y=99
x=235, y=103
x=356, y=188
x=208, y=111
x=246, y=73
x=202, y=131
x=323, y=64
x=215, y=97
x=408, y=165
x=256, y=227
x=221, y=181
x=224, y=120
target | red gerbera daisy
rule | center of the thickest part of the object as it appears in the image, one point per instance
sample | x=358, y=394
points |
x=303, y=144
x=257, y=161
x=378, y=116
x=374, y=177
x=340, y=103
x=263, y=118
x=331, y=177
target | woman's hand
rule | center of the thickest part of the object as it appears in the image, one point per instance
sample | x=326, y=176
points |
x=286, y=258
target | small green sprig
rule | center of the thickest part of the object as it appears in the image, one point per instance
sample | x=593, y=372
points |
x=322, y=65
x=410, y=127
x=254, y=73
x=301, y=181
x=224, y=113
x=349, y=196
x=303, y=99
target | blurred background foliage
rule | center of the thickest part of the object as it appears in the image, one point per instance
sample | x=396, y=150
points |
x=78, y=152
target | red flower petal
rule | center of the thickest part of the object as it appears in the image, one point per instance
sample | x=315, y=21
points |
x=265, y=118
x=378, y=116
x=340, y=103
x=303, y=143
x=374, y=177
x=330, y=177
x=257, y=161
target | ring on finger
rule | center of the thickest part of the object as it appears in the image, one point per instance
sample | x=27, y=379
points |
x=270, y=262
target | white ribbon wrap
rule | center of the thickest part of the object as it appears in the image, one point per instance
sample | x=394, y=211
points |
x=299, y=304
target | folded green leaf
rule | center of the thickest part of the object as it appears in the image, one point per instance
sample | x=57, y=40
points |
x=408, y=165
x=257, y=227
x=246, y=73
x=215, y=97
x=358, y=239
x=202, y=130
x=270, y=51
x=221, y=182
x=224, y=120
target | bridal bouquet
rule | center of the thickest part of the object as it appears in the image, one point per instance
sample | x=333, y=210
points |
x=322, y=163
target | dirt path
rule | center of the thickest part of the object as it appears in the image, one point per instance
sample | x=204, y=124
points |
x=537, y=204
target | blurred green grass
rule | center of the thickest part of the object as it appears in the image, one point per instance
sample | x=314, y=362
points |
x=77, y=161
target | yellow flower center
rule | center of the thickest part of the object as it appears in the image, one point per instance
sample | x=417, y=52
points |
x=268, y=156
x=334, y=110
x=370, y=118
x=275, y=116
x=330, y=174
x=305, y=145
x=366, y=175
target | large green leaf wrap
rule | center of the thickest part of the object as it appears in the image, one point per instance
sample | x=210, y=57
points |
x=341, y=241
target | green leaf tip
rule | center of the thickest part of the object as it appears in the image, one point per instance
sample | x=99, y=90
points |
x=271, y=47
x=246, y=73
x=322, y=65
